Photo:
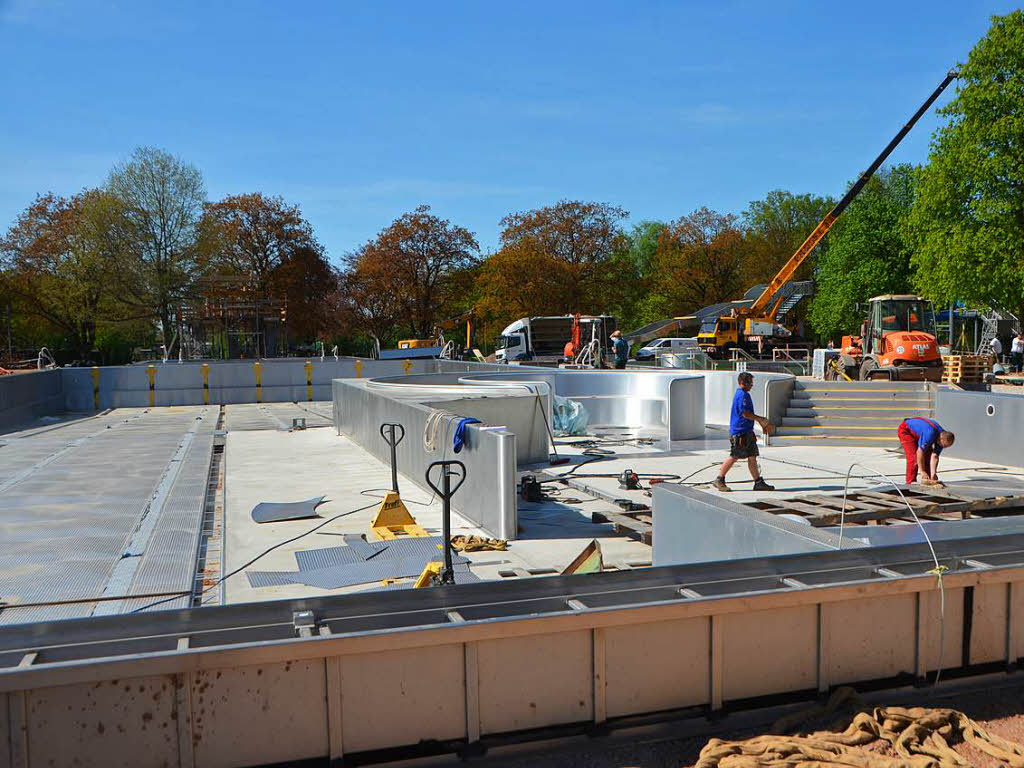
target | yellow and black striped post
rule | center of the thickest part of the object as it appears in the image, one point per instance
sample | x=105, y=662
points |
x=151, y=372
x=206, y=383
x=359, y=369
x=95, y=388
x=309, y=381
x=257, y=369
x=408, y=366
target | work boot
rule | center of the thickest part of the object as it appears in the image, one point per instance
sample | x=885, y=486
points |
x=761, y=485
x=719, y=485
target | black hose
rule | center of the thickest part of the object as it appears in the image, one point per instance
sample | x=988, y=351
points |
x=265, y=552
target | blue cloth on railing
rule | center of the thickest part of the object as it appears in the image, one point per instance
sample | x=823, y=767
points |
x=459, y=440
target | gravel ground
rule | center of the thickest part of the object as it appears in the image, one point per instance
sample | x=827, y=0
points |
x=1008, y=389
x=1000, y=711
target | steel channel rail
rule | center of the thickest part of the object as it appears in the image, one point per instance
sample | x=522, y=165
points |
x=96, y=639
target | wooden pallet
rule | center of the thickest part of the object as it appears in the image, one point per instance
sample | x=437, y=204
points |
x=637, y=524
x=882, y=507
x=965, y=369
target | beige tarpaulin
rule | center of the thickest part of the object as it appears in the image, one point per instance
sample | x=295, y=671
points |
x=919, y=736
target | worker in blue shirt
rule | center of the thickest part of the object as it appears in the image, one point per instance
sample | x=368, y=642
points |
x=742, y=441
x=923, y=440
x=621, y=348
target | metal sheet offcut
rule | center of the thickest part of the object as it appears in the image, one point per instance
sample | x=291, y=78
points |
x=275, y=512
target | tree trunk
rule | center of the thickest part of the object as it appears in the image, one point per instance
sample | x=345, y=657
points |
x=165, y=324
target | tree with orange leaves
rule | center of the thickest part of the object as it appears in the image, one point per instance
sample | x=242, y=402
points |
x=269, y=244
x=51, y=266
x=700, y=260
x=404, y=276
x=554, y=260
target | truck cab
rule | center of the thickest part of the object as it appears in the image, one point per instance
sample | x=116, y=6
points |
x=718, y=334
x=513, y=343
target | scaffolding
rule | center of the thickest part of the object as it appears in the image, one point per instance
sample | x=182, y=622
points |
x=233, y=318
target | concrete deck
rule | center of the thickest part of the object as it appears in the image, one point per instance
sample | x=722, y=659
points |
x=76, y=496
x=791, y=469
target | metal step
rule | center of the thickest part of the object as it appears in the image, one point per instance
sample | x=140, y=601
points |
x=860, y=397
x=890, y=422
x=830, y=386
x=837, y=430
x=902, y=410
x=835, y=441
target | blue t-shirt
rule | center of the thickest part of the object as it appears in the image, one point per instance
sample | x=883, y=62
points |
x=741, y=402
x=621, y=350
x=927, y=433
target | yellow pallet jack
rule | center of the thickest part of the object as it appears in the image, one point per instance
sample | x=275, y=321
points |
x=393, y=519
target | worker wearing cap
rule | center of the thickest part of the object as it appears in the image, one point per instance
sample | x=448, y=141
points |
x=621, y=348
x=923, y=440
x=742, y=441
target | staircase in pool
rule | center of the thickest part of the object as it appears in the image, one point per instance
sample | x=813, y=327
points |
x=851, y=413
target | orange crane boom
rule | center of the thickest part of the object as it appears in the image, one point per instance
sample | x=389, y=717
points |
x=808, y=245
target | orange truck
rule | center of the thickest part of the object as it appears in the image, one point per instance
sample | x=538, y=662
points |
x=897, y=342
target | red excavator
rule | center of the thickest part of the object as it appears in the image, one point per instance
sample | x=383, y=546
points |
x=574, y=345
x=897, y=342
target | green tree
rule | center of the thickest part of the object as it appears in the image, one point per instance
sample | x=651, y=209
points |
x=637, y=300
x=867, y=252
x=775, y=227
x=162, y=199
x=967, y=224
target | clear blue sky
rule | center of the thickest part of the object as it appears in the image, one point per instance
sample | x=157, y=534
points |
x=359, y=111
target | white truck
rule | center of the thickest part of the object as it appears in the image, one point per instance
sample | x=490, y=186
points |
x=543, y=339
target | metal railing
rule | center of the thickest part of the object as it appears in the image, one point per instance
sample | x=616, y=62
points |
x=687, y=359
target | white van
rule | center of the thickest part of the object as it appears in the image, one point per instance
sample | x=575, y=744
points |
x=650, y=351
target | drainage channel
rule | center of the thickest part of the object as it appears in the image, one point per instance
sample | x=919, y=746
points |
x=210, y=554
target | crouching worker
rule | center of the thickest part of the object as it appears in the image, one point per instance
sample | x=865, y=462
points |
x=742, y=441
x=923, y=441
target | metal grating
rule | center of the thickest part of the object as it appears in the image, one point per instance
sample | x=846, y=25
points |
x=67, y=525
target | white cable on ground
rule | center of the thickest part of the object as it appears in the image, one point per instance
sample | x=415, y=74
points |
x=937, y=570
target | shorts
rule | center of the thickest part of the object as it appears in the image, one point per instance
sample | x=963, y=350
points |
x=743, y=445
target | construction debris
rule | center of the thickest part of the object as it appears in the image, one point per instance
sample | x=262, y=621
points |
x=587, y=561
x=477, y=544
x=275, y=512
x=884, y=506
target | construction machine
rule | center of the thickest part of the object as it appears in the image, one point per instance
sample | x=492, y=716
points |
x=754, y=326
x=469, y=318
x=897, y=342
x=448, y=349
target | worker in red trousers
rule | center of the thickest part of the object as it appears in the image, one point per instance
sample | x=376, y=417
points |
x=923, y=440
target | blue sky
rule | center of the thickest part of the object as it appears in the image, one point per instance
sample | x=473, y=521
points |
x=359, y=112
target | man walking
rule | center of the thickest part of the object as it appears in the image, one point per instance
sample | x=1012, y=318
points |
x=742, y=441
x=621, y=348
x=923, y=440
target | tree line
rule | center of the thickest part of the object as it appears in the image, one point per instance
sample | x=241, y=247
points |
x=126, y=262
